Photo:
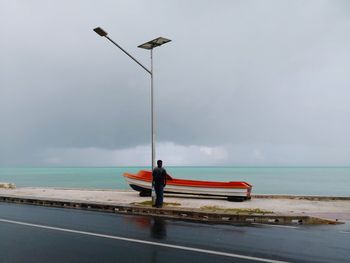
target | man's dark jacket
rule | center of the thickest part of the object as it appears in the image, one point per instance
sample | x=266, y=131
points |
x=159, y=176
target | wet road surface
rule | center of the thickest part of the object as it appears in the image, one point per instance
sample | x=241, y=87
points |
x=42, y=234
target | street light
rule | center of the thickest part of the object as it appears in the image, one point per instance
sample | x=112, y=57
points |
x=148, y=45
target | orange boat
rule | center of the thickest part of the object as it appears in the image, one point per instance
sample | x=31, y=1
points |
x=142, y=182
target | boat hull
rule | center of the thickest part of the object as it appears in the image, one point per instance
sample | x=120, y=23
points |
x=142, y=182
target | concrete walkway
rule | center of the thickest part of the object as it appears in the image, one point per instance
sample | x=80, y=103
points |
x=329, y=209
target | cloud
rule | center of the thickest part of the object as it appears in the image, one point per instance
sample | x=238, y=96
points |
x=171, y=153
x=237, y=76
x=182, y=155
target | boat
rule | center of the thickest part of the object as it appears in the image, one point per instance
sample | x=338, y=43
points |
x=234, y=191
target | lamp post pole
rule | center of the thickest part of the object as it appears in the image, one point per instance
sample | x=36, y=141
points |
x=153, y=117
x=148, y=45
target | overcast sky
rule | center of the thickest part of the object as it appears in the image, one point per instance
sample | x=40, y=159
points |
x=241, y=83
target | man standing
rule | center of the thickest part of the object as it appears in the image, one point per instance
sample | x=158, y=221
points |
x=159, y=182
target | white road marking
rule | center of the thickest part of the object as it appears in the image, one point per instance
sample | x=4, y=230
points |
x=294, y=227
x=212, y=252
x=346, y=232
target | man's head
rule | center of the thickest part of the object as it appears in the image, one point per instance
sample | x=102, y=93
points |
x=159, y=163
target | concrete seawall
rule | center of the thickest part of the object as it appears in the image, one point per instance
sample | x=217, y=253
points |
x=270, y=209
x=176, y=213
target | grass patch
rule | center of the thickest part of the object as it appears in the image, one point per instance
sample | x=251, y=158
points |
x=235, y=210
x=149, y=203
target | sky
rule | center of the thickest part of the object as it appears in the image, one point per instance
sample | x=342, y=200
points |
x=249, y=83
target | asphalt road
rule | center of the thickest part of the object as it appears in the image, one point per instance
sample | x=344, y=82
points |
x=42, y=234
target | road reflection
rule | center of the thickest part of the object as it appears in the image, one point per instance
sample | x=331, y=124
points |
x=158, y=228
x=156, y=225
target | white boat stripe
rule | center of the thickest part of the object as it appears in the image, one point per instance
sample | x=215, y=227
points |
x=194, y=190
x=212, y=252
x=281, y=226
x=148, y=185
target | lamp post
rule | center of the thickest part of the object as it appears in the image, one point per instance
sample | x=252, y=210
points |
x=149, y=46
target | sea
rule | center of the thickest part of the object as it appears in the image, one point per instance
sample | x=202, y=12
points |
x=330, y=181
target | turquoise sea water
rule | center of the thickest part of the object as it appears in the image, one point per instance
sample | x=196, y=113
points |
x=265, y=180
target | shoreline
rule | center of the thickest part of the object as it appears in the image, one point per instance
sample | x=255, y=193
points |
x=257, y=195
x=285, y=208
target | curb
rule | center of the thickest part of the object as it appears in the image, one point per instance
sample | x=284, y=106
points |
x=173, y=213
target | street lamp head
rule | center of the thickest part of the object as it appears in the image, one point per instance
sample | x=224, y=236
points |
x=154, y=43
x=100, y=31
